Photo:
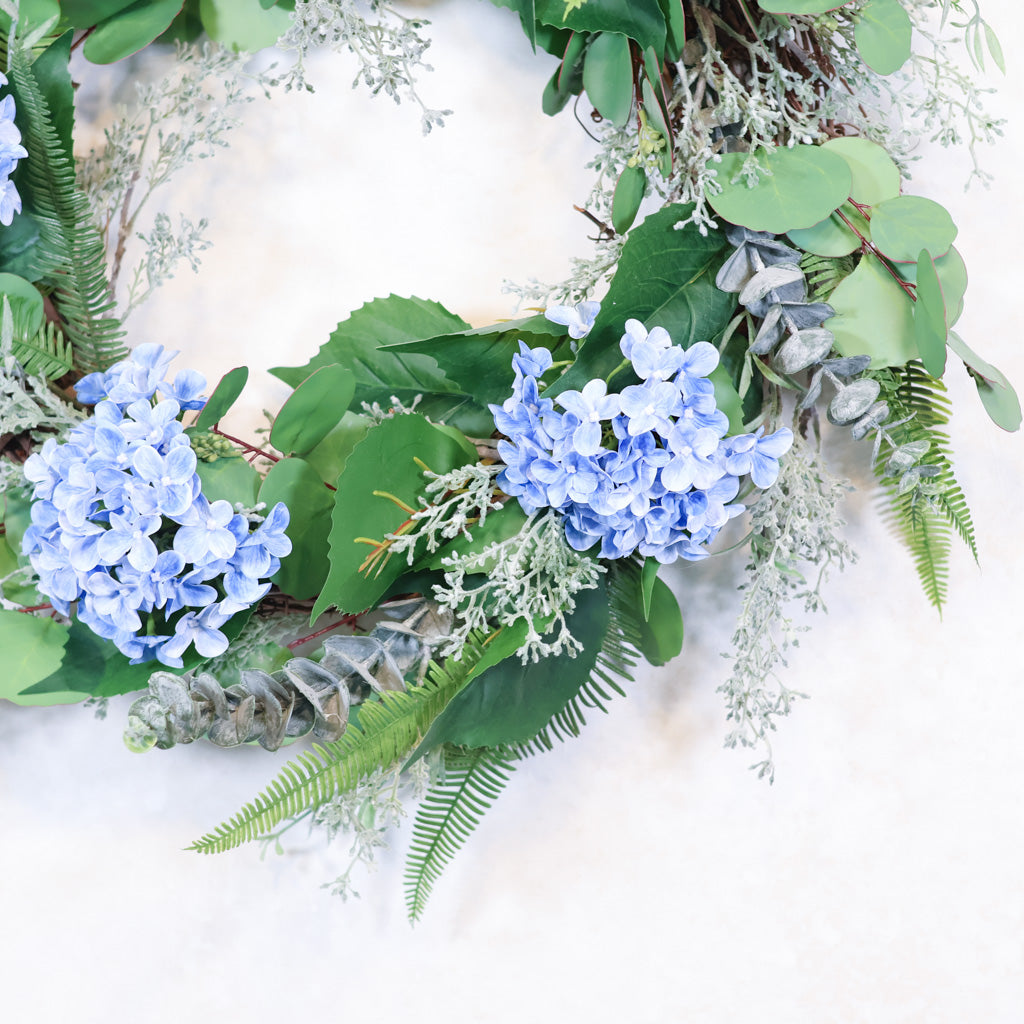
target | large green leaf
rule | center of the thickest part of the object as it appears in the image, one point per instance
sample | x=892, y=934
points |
x=874, y=316
x=310, y=504
x=86, y=13
x=499, y=525
x=33, y=649
x=903, y=226
x=129, y=30
x=661, y=632
x=479, y=362
x=329, y=456
x=313, y=409
x=361, y=342
x=798, y=188
x=384, y=461
x=930, y=327
x=882, y=34
x=641, y=20
x=511, y=702
x=608, y=76
x=664, y=278
x=876, y=176
x=799, y=6
x=241, y=26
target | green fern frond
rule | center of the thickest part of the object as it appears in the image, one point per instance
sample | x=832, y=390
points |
x=925, y=517
x=47, y=354
x=824, y=274
x=387, y=729
x=68, y=239
x=449, y=813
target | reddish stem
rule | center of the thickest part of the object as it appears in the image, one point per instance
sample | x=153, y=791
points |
x=36, y=608
x=865, y=244
x=215, y=429
x=345, y=620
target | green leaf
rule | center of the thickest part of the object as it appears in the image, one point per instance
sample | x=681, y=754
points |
x=797, y=188
x=383, y=461
x=727, y=398
x=50, y=70
x=86, y=13
x=129, y=30
x=661, y=633
x=608, y=76
x=240, y=27
x=952, y=276
x=313, y=409
x=25, y=301
x=903, y=226
x=18, y=592
x=629, y=194
x=641, y=20
x=994, y=48
x=799, y=6
x=568, y=77
x=664, y=278
x=876, y=177
x=930, y=328
x=996, y=392
x=33, y=649
x=310, y=504
x=230, y=478
x=833, y=236
x=675, y=20
x=882, y=34
x=511, y=702
x=19, y=247
x=225, y=394
x=361, y=342
x=499, y=525
x=648, y=575
x=527, y=10
x=329, y=456
x=479, y=361
x=874, y=316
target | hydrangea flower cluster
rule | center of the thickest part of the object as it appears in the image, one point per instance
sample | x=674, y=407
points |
x=11, y=151
x=120, y=524
x=648, y=469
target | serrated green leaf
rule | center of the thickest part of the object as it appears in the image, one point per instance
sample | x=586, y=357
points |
x=930, y=328
x=882, y=34
x=225, y=394
x=641, y=20
x=384, y=461
x=33, y=649
x=608, y=76
x=313, y=410
x=664, y=278
x=903, y=226
x=310, y=505
x=798, y=188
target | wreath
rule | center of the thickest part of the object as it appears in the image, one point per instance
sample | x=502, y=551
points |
x=446, y=550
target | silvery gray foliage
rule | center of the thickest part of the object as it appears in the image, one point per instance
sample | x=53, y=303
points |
x=767, y=276
x=302, y=696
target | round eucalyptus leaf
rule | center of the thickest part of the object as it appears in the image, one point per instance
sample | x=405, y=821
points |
x=799, y=6
x=882, y=34
x=853, y=401
x=875, y=174
x=803, y=349
x=313, y=410
x=873, y=316
x=241, y=26
x=224, y=396
x=903, y=226
x=608, y=76
x=798, y=188
x=833, y=236
x=996, y=392
x=129, y=30
x=629, y=194
x=952, y=273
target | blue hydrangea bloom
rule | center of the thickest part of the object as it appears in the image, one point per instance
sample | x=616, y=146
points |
x=649, y=471
x=579, y=319
x=11, y=151
x=121, y=532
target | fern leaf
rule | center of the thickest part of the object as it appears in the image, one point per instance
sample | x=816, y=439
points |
x=387, y=729
x=68, y=239
x=925, y=519
x=448, y=815
x=824, y=274
x=47, y=354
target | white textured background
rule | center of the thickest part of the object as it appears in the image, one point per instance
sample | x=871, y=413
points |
x=638, y=874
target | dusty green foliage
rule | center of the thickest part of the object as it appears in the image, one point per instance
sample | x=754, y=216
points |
x=386, y=730
x=924, y=516
x=452, y=809
x=68, y=238
x=795, y=526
